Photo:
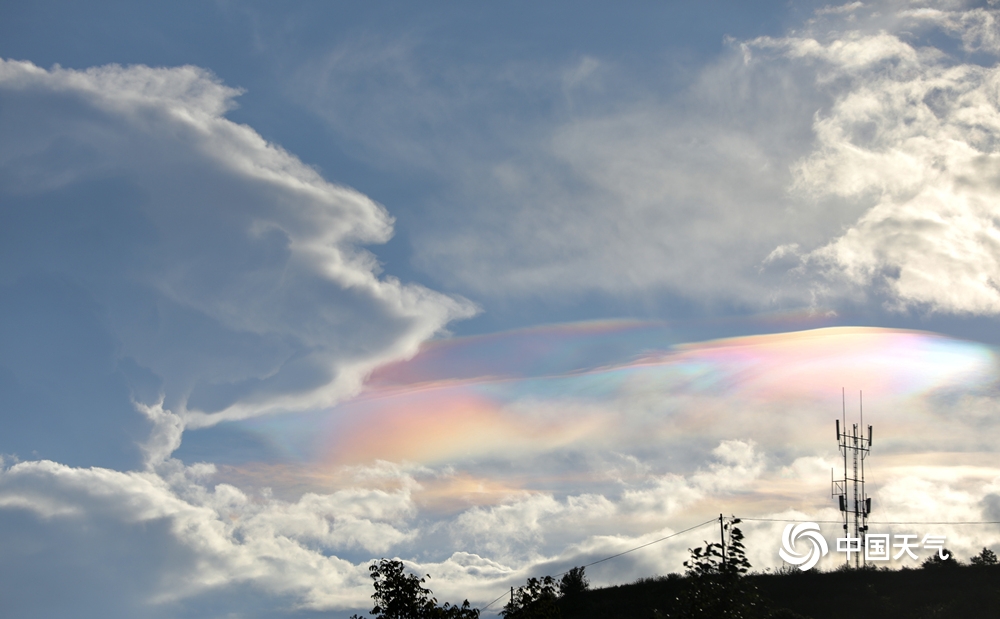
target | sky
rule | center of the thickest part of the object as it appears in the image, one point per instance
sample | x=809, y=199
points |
x=496, y=290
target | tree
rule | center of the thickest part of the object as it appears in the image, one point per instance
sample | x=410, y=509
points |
x=399, y=595
x=935, y=560
x=574, y=582
x=715, y=587
x=986, y=557
x=710, y=560
x=535, y=600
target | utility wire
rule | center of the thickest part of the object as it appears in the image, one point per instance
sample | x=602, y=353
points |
x=787, y=520
x=875, y=522
x=493, y=602
x=655, y=541
x=942, y=522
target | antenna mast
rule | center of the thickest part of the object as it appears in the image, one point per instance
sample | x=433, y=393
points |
x=858, y=446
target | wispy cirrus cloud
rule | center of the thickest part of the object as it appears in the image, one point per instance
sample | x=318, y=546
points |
x=857, y=147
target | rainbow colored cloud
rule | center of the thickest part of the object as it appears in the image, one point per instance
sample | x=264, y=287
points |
x=625, y=388
x=548, y=441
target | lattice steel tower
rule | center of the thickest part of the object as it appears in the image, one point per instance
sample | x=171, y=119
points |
x=858, y=447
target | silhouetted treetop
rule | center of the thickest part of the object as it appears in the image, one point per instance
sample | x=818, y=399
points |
x=399, y=595
x=573, y=582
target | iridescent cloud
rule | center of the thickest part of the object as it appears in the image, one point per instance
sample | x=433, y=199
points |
x=578, y=391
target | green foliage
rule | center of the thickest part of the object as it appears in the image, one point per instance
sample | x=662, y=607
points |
x=574, y=582
x=535, y=600
x=986, y=557
x=399, y=595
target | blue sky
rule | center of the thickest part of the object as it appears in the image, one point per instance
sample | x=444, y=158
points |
x=497, y=290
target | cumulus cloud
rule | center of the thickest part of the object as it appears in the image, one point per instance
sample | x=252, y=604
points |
x=219, y=273
x=910, y=139
x=183, y=539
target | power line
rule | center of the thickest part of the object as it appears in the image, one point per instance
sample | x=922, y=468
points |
x=493, y=602
x=944, y=522
x=874, y=522
x=787, y=520
x=656, y=541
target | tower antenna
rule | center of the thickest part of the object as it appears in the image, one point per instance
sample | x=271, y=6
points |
x=858, y=503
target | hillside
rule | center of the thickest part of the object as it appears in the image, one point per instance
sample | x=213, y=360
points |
x=966, y=592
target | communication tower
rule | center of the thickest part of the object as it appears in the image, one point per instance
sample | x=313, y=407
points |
x=854, y=446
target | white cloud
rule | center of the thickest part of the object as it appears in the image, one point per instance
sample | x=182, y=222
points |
x=976, y=27
x=214, y=537
x=164, y=262
x=517, y=530
x=841, y=8
x=235, y=273
x=865, y=140
x=915, y=136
